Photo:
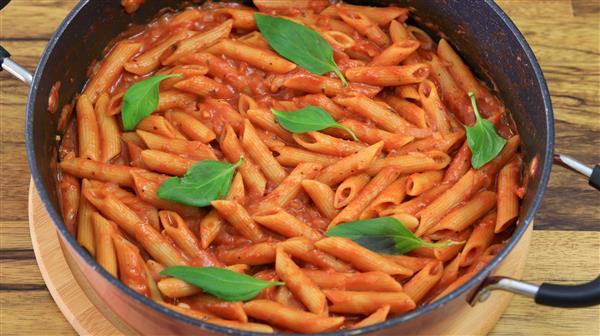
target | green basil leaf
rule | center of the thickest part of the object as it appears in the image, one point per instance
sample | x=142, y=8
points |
x=309, y=118
x=140, y=100
x=299, y=44
x=483, y=139
x=384, y=235
x=225, y=284
x=204, y=182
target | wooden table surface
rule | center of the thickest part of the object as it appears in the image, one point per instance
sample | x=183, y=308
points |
x=565, y=36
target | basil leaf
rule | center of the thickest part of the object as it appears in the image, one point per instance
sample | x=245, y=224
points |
x=485, y=143
x=140, y=100
x=299, y=44
x=384, y=235
x=309, y=118
x=225, y=284
x=204, y=182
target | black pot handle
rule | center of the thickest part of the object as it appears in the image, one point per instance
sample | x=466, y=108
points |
x=14, y=68
x=565, y=296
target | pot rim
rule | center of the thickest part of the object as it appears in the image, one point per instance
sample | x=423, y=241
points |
x=470, y=284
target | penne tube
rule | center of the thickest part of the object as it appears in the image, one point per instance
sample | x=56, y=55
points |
x=158, y=246
x=246, y=103
x=199, y=41
x=263, y=157
x=408, y=110
x=191, y=127
x=444, y=143
x=361, y=23
x=110, y=70
x=70, y=193
x=282, y=222
x=166, y=163
x=289, y=188
x=350, y=302
x=445, y=253
x=205, y=87
x=255, y=254
x=384, y=116
x=412, y=162
x=193, y=149
x=239, y=218
x=349, y=189
x=326, y=144
x=161, y=126
x=395, y=53
x=210, y=226
x=373, y=135
x=88, y=132
x=110, y=141
x=508, y=201
x=418, y=203
x=360, y=257
x=131, y=265
x=462, y=217
x=422, y=282
x=177, y=229
x=350, y=165
x=292, y=156
x=398, y=31
x=377, y=317
x=338, y=39
x=460, y=164
x=479, y=240
x=85, y=226
x=285, y=297
x=242, y=18
x=310, y=83
x=392, y=195
x=146, y=185
x=353, y=210
x=231, y=147
x=391, y=75
x=174, y=288
x=448, y=276
x=152, y=286
x=263, y=59
x=149, y=60
x=322, y=196
x=255, y=39
x=104, y=249
x=406, y=92
x=437, y=117
x=224, y=309
x=412, y=263
x=418, y=183
x=380, y=15
x=303, y=249
x=290, y=318
x=454, y=96
x=303, y=288
x=264, y=119
x=113, y=209
x=170, y=99
x=365, y=281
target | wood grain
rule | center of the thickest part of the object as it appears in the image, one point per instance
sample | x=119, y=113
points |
x=564, y=35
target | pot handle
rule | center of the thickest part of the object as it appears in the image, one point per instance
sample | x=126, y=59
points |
x=14, y=68
x=566, y=296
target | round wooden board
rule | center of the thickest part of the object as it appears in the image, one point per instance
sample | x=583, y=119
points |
x=79, y=309
x=89, y=316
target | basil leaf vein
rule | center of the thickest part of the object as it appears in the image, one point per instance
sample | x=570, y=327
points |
x=225, y=284
x=204, y=182
x=299, y=44
x=383, y=235
x=140, y=100
x=307, y=119
x=483, y=139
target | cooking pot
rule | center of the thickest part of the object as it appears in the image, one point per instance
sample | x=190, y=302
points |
x=480, y=31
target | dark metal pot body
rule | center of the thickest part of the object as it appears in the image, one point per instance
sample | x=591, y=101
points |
x=482, y=33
